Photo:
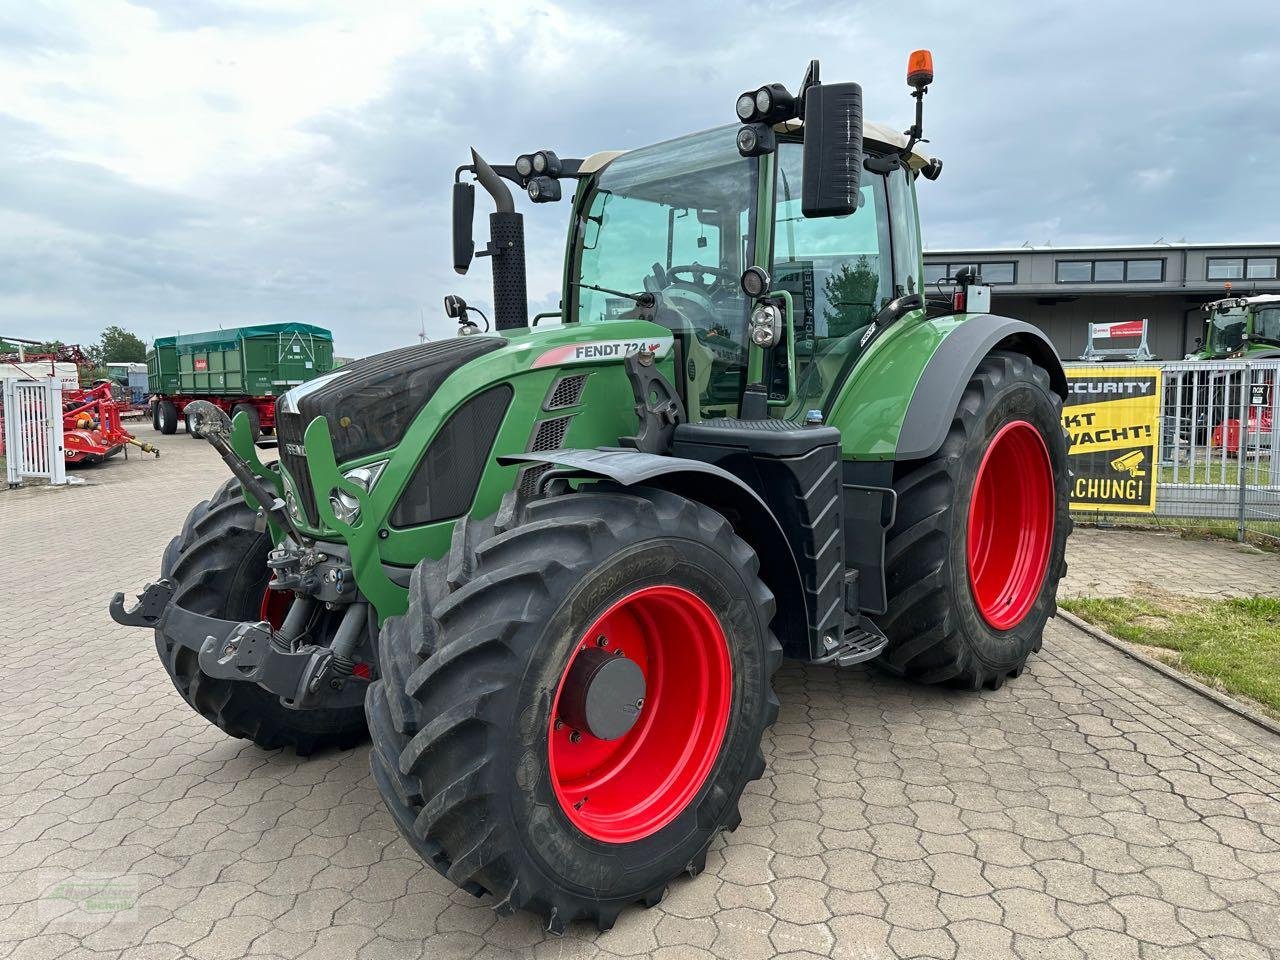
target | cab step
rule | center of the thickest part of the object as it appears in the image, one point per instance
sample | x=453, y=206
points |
x=862, y=641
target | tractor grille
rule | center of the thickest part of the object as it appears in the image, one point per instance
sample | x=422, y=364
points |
x=550, y=434
x=566, y=392
x=289, y=437
x=547, y=435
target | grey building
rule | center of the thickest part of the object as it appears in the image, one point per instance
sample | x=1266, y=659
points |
x=1062, y=289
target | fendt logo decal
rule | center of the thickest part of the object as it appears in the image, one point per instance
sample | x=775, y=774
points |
x=596, y=351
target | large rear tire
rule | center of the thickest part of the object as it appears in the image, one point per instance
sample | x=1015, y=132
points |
x=218, y=564
x=977, y=547
x=476, y=750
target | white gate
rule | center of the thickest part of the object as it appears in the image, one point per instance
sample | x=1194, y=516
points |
x=33, y=430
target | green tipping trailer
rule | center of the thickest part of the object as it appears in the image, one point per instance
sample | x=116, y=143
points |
x=244, y=368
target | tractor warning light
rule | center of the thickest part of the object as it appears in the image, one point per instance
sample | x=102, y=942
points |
x=920, y=69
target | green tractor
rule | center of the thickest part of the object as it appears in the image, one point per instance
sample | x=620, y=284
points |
x=1241, y=328
x=551, y=570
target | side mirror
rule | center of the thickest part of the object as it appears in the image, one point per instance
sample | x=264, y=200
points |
x=832, y=149
x=464, y=206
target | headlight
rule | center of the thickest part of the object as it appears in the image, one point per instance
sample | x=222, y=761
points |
x=766, y=325
x=746, y=106
x=346, y=507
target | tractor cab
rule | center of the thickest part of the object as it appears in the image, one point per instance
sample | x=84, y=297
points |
x=1245, y=327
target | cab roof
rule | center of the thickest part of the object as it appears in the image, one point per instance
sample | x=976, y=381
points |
x=878, y=134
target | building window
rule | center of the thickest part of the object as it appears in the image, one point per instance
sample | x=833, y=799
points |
x=1075, y=271
x=1138, y=271
x=1225, y=268
x=995, y=273
x=1110, y=271
x=1260, y=268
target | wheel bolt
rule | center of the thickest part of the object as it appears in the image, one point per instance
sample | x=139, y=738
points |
x=640, y=704
x=574, y=736
x=559, y=723
x=602, y=641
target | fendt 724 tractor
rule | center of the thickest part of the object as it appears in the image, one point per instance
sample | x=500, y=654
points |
x=551, y=570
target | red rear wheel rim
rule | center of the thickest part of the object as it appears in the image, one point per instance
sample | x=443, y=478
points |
x=274, y=606
x=1011, y=525
x=622, y=790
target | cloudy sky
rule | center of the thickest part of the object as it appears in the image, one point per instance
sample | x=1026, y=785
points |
x=178, y=165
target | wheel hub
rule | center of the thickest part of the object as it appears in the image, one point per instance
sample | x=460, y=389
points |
x=603, y=694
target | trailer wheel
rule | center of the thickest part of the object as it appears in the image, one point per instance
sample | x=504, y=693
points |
x=570, y=708
x=218, y=565
x=977, y=547
x=192, y=432
x=155, y=415
x=255, y=422
x=168, y=417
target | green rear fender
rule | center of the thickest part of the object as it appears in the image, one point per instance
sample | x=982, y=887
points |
x=898, y=402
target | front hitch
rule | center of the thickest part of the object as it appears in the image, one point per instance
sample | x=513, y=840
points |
x=303, y=676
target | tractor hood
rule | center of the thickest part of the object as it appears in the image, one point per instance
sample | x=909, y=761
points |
x=369, y=404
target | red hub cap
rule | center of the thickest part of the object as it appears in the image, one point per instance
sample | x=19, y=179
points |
x=1011, y=524
x=662, y=743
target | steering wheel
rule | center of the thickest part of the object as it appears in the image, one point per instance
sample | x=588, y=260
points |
x=697, y=276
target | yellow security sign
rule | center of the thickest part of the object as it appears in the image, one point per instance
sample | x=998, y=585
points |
x=1112, y=418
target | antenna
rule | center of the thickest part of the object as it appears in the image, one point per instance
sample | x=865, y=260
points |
x=422, y=331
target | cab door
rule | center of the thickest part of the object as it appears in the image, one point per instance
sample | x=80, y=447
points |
x=839, y=271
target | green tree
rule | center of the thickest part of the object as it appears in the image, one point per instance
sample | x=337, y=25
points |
x=851, y=297
x=120, y=346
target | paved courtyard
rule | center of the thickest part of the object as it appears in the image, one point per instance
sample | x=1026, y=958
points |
x=1092, y=808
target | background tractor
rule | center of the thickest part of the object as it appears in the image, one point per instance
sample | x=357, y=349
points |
x=1244, y=328
x=553, y=569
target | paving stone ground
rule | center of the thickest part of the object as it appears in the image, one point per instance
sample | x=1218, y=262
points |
x=1092, y=808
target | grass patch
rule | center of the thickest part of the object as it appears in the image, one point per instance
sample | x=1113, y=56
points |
x=1232, y=645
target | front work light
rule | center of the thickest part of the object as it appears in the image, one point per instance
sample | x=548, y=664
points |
x=524, y=165
x=769, y=104
x=756, y=139
x=546, y=163
x=544, y=190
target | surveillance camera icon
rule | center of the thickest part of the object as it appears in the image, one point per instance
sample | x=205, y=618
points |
x=1130, y=463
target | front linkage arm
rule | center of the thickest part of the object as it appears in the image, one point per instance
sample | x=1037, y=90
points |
x=250, y=651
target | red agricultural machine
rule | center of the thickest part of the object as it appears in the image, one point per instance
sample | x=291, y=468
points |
x=91, y=426
x=91, y=422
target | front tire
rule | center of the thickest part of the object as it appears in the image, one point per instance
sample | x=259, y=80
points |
x=218, y=564
x=977, y=547
x=476, y=754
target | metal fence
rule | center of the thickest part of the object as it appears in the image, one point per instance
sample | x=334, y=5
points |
x=1219, y=453
x=32, y=418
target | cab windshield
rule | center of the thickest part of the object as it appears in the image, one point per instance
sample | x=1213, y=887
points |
x=676, y=220
x=1226, y=331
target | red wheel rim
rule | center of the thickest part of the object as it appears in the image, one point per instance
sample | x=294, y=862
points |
x=274, y=606
x=1011, y=524
x=622, y=790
